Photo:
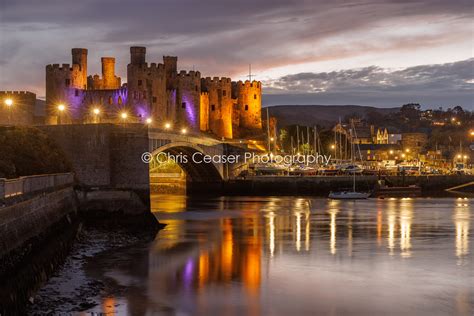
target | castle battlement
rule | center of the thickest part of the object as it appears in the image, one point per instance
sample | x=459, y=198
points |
x=191, y=73
x=217, y=80
x=19, y=93
x=247, y=83
x=63, y=68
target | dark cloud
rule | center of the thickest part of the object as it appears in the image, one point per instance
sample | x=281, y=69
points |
x=431, y=85
x=219, y=37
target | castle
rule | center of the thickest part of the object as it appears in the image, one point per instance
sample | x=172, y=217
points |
x=154, y=94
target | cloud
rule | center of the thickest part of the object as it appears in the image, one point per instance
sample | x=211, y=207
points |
x=432, y=85
x=221, y=37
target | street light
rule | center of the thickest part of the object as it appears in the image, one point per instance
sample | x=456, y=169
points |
x=124, y=115
x=407, y=150
x=96, y=112
x=272, y=139
x=61, y=108
x=9, y=104
x=391, y=152
x=149, y=120
x=184, y=131
x=167, y=125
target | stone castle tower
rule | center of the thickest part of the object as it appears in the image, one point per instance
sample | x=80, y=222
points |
x=154, y=92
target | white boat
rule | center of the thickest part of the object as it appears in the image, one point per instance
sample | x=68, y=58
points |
x=350, y=195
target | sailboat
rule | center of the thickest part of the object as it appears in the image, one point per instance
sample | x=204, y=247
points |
x=350, y=195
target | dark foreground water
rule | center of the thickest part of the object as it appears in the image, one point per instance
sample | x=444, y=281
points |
x=293, y=256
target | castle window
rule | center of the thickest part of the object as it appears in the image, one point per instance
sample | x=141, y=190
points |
x=213, y=107
x=183, y=105
x=144, y=95
x=224, y=93
x=119, y=100
x=101, y=100
x=76, y=93
x=135, y=95
x=255, y=96
x=111, y=100
x=154, y=99
x=139, y=82
x=246, y=107
x=196, y=88
x=68, y=82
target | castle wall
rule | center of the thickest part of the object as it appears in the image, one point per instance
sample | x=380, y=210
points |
x=108, y=80
x=204, y=113
x=63, y=86
x=188, y=98
x=79, y=57
x=220, y=105
x=249, y=104
x=146, y=86
x=21, y=111
x=110, y=103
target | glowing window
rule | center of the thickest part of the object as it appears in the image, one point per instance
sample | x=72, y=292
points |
x=111, y=100
x=119, y=100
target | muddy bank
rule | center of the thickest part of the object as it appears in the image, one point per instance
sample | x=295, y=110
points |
x=71, y=288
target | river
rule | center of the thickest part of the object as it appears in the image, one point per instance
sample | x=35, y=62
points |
x=293, y=256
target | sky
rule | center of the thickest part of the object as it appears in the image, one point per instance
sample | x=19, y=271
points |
x=381, y=53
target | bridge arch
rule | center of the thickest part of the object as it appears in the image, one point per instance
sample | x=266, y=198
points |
x=195, y=172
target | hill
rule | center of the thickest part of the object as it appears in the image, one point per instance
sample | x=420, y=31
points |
x=324, y=115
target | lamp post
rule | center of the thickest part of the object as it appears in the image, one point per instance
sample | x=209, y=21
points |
x=9, y=104
x=96, y=112
x=167, y=126
x=61, y=108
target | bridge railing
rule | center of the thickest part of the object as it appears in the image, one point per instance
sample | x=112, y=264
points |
x=30, y=184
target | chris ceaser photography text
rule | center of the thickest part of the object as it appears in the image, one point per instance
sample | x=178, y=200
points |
x=248, y=157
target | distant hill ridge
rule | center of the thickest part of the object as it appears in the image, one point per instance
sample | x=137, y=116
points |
x=324, y=115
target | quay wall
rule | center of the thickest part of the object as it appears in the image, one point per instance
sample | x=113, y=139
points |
x=23, y=222
x=320, y=186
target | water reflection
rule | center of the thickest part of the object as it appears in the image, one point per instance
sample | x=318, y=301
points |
x=250, y=256
x=461, y=221
x=406, y=214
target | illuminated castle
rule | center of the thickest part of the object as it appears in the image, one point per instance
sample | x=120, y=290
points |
x=154, y=93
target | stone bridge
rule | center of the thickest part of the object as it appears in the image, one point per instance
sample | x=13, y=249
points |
x=110, y=155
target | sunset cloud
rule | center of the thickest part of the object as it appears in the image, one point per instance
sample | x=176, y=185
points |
x=278, y=37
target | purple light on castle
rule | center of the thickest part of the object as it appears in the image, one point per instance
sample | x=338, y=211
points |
x=190, y=114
